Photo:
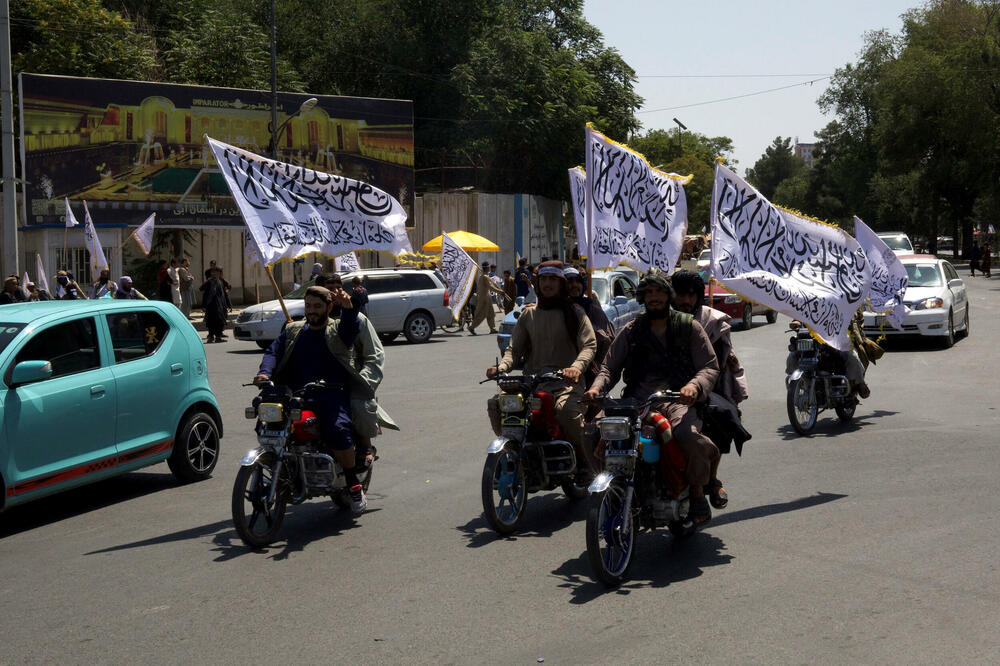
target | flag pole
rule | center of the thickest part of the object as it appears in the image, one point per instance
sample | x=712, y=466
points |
x=277, y=290
x=118, y=249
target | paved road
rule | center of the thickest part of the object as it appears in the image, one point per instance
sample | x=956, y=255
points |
x=874, y=542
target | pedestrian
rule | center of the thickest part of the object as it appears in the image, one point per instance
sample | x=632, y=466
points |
x=216, y=305
x=175, y=283
x=359, y=295
x=987, y=259
x=317, y=270
x=71, y=291
x=484, y=305
x=510, y=289
x=208, y=271
x=11, y=292
x=187, y=287
x=974, y=259
x=126, y=290
x=104, y=284
x=162, y=281
x=522, y=278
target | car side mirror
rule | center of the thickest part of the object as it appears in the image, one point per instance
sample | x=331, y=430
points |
x=27, y=372
x=519, y=300
x=620, y=300
x=956, y=282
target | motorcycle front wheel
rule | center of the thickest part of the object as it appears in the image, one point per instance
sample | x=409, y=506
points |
x=610, y=536
x=257, y=520
x=504, y=492
x=802, y=411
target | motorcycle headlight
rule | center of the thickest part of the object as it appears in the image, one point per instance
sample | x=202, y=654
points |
x=270, y=412
x=732, y=298
x=929, y=303
x=511, y=403
x=250, y=412
x=614, y=428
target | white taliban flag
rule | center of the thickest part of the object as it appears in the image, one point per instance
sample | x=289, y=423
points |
x=459, y=274
x=144, y=234
x=636, y=214
x=889, y=278
x=24, y=284
x=292, y=211
x=346, y=263
x=70, y=217
x=43, y=282
x=800, y=267
x=578, y=195
x=98, y=261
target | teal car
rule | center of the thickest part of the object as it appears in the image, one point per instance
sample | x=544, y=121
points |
x=93, y=389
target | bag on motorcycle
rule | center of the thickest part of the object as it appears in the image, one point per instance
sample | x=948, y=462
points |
x=873, y=350
x=722, y=424
x=493, y=409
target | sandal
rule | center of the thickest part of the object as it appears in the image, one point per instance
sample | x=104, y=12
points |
x=699, y=513
x=717, y=494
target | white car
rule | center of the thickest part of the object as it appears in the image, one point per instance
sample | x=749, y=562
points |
x=400, y=300
x=897, y=241
x=704, y=259
x=936, y=296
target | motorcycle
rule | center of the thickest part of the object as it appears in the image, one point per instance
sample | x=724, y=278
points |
x=818, y=382
x=641, y=488
x=288, y=467
x=530, y=455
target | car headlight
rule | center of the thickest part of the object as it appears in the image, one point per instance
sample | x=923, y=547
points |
x=614, y=428
x=267, y=314
x=270, y=412
x=929, y=303
x=732, y=298
x=511, y=402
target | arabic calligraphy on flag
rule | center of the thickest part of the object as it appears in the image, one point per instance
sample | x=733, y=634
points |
x=636, y=214
x=800, y=267
x=578, y=196
x=346, y=262
x=459, y=274
x=98, y=261
x=291, y=211
x=889, y=278
x=144, y=234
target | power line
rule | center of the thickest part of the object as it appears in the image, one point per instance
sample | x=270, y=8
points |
x=728, y=99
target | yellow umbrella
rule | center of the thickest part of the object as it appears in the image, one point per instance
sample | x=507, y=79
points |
x=466, y=240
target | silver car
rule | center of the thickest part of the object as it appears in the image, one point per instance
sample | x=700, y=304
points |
x=400, y=300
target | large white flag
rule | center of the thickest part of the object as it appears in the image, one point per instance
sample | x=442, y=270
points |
x=459, y=274
x=42, y=280
x=346, y=263
x=803, y=268
x=144, y=234
x=636, y=214
x=578, y=195
x=98, y=261
x=70, y=217
x=291, y=211
x=889, y=278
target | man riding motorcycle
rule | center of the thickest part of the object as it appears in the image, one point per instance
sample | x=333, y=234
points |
x=855, y=360
x=689, y=297
x=666, y=349
x=556, y=335
x=319, y=348
x=576, y=283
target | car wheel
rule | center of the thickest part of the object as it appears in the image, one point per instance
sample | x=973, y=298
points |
x=388, y=336
x=747, y=317
x=418, y=327
x=196, y=449
x=771, y=316
x=965, y=328
x=264, y=344
x=948, y=340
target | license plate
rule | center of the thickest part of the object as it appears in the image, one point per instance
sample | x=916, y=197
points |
x=805, y=345
x=272, y=433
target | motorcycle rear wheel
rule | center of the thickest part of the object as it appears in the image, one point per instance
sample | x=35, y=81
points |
x=574, y=490
x=802, y=420
x=253, y=486
x=504, y=492
x=342, y=499
x=610, y=536
x=845, y=413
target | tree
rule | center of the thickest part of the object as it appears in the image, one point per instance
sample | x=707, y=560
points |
x=776, y=164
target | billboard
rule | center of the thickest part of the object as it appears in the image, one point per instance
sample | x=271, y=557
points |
x=130, y=148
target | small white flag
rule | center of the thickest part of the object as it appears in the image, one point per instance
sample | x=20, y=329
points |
x=889, y=278
x=459, y=274
x=70, y=217
x=43, y=282
x=144, y=234
x=578, y=195
x=98, y=261
x=346, y=262
x=24, y=284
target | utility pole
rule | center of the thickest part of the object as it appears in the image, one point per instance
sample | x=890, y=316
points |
x=9, y=236
x=274, y=84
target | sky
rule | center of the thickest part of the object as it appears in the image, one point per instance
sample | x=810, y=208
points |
x=689, y=53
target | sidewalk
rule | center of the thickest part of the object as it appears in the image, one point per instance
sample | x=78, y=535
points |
x=197, y=319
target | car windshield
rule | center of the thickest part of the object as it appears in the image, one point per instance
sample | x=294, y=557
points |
x=301, y=291
x=705, y=255
x=600, y=286
x=7, y=333
x=923, y=275
x=899, y=242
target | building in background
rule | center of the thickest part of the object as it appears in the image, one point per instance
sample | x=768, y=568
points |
x=805, y=152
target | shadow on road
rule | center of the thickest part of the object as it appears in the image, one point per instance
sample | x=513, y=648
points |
x=661, y=559
x=544, y=515
x=831, y=427
x=82, y=500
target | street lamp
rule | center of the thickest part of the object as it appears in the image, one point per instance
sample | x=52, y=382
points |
x=680, y=126
x=306, y=107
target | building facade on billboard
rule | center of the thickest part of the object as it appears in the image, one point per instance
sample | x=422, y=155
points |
x=130, y=148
